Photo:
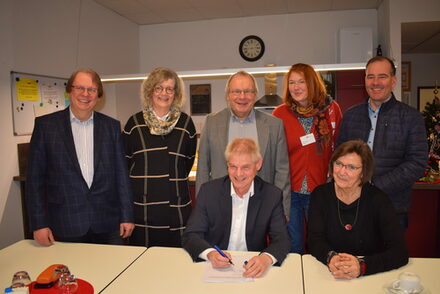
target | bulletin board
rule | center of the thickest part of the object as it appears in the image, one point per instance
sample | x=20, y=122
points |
x=33, y=96
x=200, y=99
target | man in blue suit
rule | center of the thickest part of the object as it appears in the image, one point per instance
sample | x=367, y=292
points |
x=77, y=185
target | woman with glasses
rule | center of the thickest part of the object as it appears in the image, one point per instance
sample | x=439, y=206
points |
x=311, y=123
x=160, y=144
x=353, y=227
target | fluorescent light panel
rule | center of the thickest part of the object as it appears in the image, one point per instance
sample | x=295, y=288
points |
x=227, y=72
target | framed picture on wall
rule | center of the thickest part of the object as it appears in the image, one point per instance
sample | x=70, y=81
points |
x=406, y=76
x=425, y=95
x=200, y=99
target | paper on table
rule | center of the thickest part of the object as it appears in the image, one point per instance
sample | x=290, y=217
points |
x=234, y=273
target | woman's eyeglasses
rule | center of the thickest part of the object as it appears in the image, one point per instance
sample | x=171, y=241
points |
x=348, y=167
x=159, y=89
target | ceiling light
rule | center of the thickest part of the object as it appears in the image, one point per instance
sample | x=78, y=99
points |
x=209, y=73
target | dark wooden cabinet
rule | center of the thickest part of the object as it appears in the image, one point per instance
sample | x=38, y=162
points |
x=350, y=88
x=423, y=233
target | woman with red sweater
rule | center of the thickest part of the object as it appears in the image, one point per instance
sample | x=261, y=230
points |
x=311, y=122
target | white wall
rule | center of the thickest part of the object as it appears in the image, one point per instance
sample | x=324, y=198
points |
x=425, y=72
x=54, y=37
x=213, y=44
x=10, y=210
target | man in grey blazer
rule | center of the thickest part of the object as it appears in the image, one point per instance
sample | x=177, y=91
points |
x=240, y=119
x=77, y=185
x=239, y=212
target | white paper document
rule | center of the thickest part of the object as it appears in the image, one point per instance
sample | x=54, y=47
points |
x=231, y=274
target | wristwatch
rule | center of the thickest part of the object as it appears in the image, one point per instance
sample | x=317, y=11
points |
x=330, y=254
x=362, y=266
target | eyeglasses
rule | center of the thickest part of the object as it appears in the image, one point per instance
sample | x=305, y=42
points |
x=246, y=92
x=82, y=89
x=159, y=89
x=348, y=167
x=299, y=82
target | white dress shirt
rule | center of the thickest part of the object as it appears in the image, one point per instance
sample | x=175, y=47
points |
x=237, y=237
x=83, y=138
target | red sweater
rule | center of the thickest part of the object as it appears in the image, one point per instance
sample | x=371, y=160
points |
x=305, y=160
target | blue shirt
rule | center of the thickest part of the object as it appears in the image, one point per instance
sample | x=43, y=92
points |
x=373, y=114
x=246, y=128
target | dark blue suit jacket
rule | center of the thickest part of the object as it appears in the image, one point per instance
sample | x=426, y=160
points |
x=57, y=195
x=210, y=221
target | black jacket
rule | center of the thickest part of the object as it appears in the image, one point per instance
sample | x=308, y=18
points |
x=400, y=147
x=210, y=222
x=376, y=232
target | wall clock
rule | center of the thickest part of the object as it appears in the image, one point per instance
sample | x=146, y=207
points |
x=251, y=48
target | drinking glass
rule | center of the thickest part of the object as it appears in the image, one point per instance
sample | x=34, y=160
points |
x=20, y=279
x=67, y=283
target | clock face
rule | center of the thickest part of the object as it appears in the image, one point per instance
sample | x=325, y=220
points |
x=251, y=48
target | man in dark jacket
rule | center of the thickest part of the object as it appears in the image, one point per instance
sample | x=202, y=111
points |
x=394, y=131
x=239, y=212
x=77, y=185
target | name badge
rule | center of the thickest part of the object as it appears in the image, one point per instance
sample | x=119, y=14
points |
x=307, y=139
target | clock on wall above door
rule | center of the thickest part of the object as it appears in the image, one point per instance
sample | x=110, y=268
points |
x=251, y=48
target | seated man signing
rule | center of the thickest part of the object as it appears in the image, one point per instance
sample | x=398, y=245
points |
x=238, y=212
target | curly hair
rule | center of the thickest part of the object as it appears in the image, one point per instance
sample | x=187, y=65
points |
x=157, y=76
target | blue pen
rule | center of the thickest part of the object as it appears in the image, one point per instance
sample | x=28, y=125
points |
x=222, y=254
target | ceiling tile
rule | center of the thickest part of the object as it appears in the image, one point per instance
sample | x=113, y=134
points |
x=298, y=6
x=155, y=5
x=146, y=18
x=124, y=7
x=350, y=4
x=180, y=10
x=252, y=8
x=180, y=15
x=421, y=37
x=429, y=46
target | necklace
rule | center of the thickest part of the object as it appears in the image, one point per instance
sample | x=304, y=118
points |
x=348, y=226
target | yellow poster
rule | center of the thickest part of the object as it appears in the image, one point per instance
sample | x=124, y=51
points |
x=27, y=90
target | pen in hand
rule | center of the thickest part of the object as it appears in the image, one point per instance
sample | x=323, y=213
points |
x=222, y=254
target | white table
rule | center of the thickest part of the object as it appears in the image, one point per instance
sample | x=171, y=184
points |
x=96, y=264
x=317, y=278
x=171, y=270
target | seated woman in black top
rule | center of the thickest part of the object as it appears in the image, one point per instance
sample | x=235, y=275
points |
x=353, y=226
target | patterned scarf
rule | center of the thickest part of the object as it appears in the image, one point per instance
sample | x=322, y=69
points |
x=158, y=126
x=319, y=120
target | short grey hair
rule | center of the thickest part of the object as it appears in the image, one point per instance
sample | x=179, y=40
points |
x=241, y=73
x=241, y=146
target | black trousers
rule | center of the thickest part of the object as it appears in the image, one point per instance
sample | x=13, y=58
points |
x=112, y=238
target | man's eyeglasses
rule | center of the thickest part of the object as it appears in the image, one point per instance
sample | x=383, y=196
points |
x=159, y=89
x=348, y=167
x=82, y=89
x=246, y=92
